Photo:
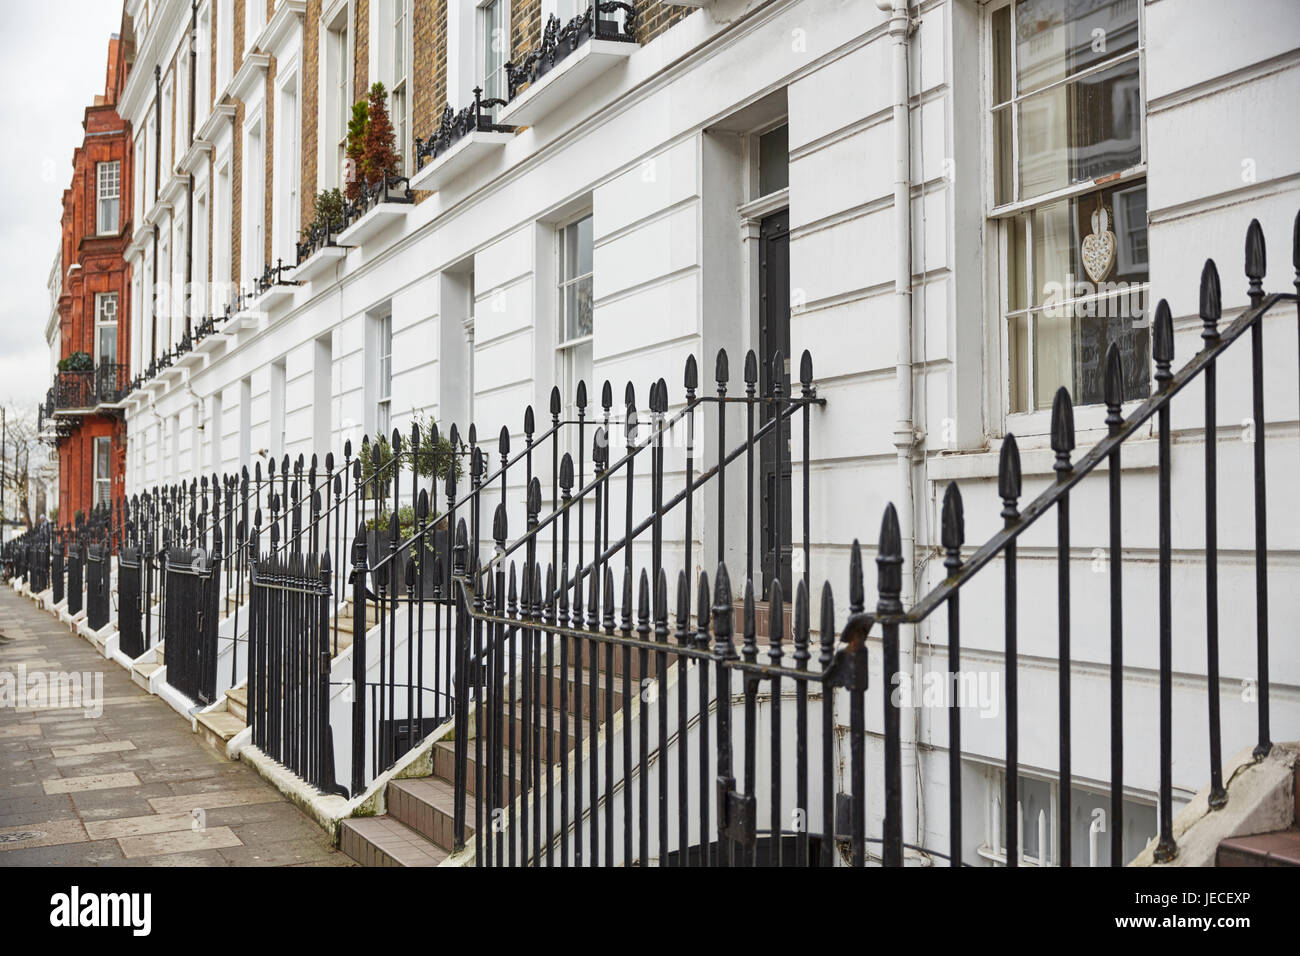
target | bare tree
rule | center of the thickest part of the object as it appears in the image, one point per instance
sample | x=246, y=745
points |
x=23, y=456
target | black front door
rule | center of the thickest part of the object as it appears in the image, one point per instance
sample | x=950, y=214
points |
x=774, y=451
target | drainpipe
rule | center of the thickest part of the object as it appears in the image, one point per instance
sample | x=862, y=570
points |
x=189, y=190
x=157, y=130
x=905, y=439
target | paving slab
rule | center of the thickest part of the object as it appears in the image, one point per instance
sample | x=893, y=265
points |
x=121, y=787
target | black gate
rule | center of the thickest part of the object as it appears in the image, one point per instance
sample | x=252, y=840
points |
x=74, y=580
x=97, y=565
x=289, y=665
x=130, y=635
x=38, y=566
x=190, y=617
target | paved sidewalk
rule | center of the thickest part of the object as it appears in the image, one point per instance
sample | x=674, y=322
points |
x=132, y=786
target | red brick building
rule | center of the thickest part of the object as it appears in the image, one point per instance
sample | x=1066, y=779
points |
x=94, y=345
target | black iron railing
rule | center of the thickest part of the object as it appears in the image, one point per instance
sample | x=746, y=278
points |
x=289, y=665
x=600, y=19
x=454, y=126
x=98, y=561
x=613, y=706
x=74, y=390
x=191, y=613
x=129, y=597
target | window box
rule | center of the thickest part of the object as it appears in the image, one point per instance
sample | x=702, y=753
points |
x=380, y=205
x=567, y=60
x=271, y=289
x=461, y=140
x=319, y=262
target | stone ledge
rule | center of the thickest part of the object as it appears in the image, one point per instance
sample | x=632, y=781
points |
x=1261, y=799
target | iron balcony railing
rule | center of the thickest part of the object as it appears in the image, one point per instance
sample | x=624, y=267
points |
x=74, y=390
x=454, y=126
x=598, y=19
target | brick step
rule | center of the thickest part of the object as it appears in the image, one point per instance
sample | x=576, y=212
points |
x=1280, y=848
x=426, y=805
x=387, y=841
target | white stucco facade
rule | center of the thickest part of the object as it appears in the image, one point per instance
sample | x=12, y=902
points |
x=661, y=151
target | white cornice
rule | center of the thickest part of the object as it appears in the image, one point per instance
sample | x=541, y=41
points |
x=171, y=193
x=289, y=15
x=195, y=155
x=221, y=113
x=251, y=71
x=139, y=83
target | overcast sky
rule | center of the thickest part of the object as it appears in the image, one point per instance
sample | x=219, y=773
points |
x=53, y=59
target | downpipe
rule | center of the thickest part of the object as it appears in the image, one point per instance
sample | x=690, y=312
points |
x=901, y=26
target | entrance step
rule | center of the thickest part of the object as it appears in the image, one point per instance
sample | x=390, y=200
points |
x=216, y=727
x=386, y=841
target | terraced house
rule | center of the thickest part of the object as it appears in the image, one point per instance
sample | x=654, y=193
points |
x=692, y=282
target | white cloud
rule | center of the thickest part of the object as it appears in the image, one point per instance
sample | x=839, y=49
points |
x=54, y=62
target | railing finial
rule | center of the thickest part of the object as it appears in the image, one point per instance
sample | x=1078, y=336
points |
x=953, y=523
x=691, y=377
x=555, y=401
x=857, y=594
x=702, y=610
x=722, y=605
x=1162, y=347
x=721, y=368
x=1211, y=305
x=889, y=562
x=1009, y=477
x=1062, y=430
x=1256, y=260
x=827, y=654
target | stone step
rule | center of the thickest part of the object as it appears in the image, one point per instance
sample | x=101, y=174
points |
x=217, y=727
x=237, y=702
x=140, y=673
x=386, y=841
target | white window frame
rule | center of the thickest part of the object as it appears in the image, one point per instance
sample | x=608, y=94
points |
x=384, y=373
x=568, y=348
x=203, y=66
x=101, y=323
x=254, y=22
x=222, y=245
x=493, y=86
x=993, y=847
x=168, y=153
x=335, y=93
x=225, y=44
x=286, y=184
x=108, y=188
x=1001, y=216
x=396, y=49
x=253, y=189
x=103, y=483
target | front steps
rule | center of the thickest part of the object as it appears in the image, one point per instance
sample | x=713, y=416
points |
x=219, y=725
x=417, y=829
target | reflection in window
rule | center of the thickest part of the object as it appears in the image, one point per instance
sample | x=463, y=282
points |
x=1067, y=111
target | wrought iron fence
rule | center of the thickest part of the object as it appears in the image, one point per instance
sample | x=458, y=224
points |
x=289, y=665
x=611, y=705
x=76, y=563
x=191, y=612
x=454, y=126
x=129, y=595
x=56, y=569
x=98, y=561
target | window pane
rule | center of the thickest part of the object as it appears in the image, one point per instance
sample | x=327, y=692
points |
x=584, y=234
x=1003, y=156
x=1081, y=130
x=107, y=350
x=1002, y=55
x=1089, y=259
x=1055, y=40
x=774, y=160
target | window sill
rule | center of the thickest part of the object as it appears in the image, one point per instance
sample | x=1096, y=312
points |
x=472, y=148
x=319, y=262
x=574, y=73
x=380, y=217
x=1035, y=462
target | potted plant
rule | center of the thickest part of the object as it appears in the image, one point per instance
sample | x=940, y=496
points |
x=432, y=461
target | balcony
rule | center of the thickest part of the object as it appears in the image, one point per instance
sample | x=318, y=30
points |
x=378, y=205
x=461, y=140
x=111, y=384
x=271, y=288
x=74, y=392
x=568, y=59
x=317, y=252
